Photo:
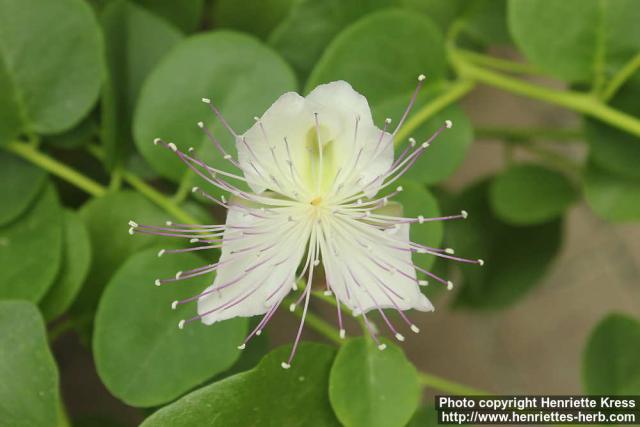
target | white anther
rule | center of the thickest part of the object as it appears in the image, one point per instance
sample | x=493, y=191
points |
x=421, y=251
x=194, y=189
x=224, y=199
x=206, y=100
x=399, y=188
x=387, y=120
x=421, y=77
x=420, y=219
x=161, y=252
x=449, y=251
x=412, y=141
x=259, y=332
x=131, y=231
x=327, y=293
x=425, y=145
x=173, y=146
x=181, y=324
x=423, y=282
x=343, y=333
x=193, y=240
x=294, y=286
x=449, y=285
x=178, y=274
x=242, y=346
x=157, y=282
x=381, y=347
x=285, y=365
x=448, y=124
x=316, y=262
x=133, y=224
x=169, y=223
x=174, y=305
x=256, y=118
x=399, y=337
x=201, y=125
x=227, y=156
x=156, y=141
x=292, y=308
x=415, y=329
x=481, y=262
x=464, y=214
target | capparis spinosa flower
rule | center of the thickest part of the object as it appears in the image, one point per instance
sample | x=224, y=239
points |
x=314, y=167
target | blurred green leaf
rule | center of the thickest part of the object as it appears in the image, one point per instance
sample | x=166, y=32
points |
x=50, y=65
x=610, y=359
x=573, y=39
x=242, y=76
x=611, y=148
x=107, y=220
x=425, y=416
x=185, y=14
x=372, y=388
x=516, y=258
x=31, y=249
x=29, y=391
x=311, y=25
x=135, y=40
x=78, y=136
x=264, y=396
x=486, y=21
x=443, y=13
x=530, y=194
x=417, y=200
x=382, y=55
x=76, y=258
x=613, y=197
x=141, y=355
x=21, y=183
x=250, y=16
x=447, y=152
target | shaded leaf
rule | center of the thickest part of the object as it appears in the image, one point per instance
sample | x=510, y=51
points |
x=186, y=14
x=259, y=18
x=612, y=197
x=21, y=183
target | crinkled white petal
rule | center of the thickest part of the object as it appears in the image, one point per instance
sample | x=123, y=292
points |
x=253, y=292
x=368, y=278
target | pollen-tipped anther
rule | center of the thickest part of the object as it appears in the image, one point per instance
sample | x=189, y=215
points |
x=449, y=285
x=343, y=333
x=481, y=262
x=157, y=282
x=448, y=124
x=161, y=252
x=449, y=251
x=464, y=214
x=206, y=100
x=421, y=77
x=242, y=346
x=174, y=305
x=292, y=307
x=181, y=324
x=285, y=365
x=399, y=337
x=200, y=125
x=381, y=347
x=131, y=230
x=415, y=329
x=156, y=141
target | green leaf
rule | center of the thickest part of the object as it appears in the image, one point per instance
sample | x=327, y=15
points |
x=264, y=396
x=382, y=55
x=78, y=136
x=417, y=200
x=107, y=220
x=29, y=391
x=186, y=15
x=141, y=355
x=610, y=359
x=486, y=21
x=31, y=249
x=249, y=16
x=21, y=183
x=576, y=39
x=135, y=41
x=311, y=25
x=242, y=76
x=530, y=194
x=447, y=152
x=50, y=65
x=425, y=416
x=76, y=257
x=611, y=148
x=516, y=258
x=371, y=388
x=443, y=13
x=612, y=197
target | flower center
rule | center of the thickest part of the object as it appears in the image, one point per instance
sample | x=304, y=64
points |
x=316, y=201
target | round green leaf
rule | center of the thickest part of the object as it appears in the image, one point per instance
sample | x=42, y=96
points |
x=50, y=65
x=258, y=18
x=186, y=15
x=530, y=194
x=613, y=197
x=265, y=396
x=301, y=44
x=135, y=40
x=611, y=148
x=29, y=392
x=21, y=183
x=610, y=360
x=107, y=220
x=371, y=388
x=76, y=257
x=447, y=152
x=576, y=39
x=382, y=55
x=516, y=258
x=443, y=13
x=78, y=136
x=141, y=355
x=31, y=250
x=242, y=76
x=417, y=200
x=425, y=416
x=486, y=21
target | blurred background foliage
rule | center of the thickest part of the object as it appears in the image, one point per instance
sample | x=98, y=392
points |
x=87, y=84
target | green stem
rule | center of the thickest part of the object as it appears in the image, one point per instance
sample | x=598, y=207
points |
x=60, y=329
x=57, y=168
x=554, y=159
x=331, y=301
x=621, y=77
x=317, y=323
x=579, y=102
x=528, y=134
x=184, y=189
x=455, y=92
x=443, y=384
x=158, y=198
x=499, y=63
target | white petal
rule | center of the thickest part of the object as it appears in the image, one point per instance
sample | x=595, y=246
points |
x=252, y=292
x=342, y=99
x=365, y=279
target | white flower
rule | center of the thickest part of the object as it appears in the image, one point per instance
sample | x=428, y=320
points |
x=314, y=166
